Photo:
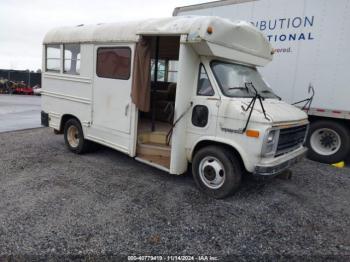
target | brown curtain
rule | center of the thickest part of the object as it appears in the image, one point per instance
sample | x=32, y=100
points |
x=141, y=81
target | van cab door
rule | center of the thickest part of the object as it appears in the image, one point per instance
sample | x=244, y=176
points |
x=203, y=119
x=112, y=106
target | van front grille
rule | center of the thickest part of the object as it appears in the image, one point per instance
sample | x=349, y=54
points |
x=290, y=139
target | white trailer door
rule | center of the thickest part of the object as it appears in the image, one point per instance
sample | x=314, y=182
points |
x=112, y=106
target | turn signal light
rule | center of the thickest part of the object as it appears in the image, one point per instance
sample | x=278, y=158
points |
x=252, y=133
x=209, y=30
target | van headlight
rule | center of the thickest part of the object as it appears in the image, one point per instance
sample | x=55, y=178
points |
x=270, y=143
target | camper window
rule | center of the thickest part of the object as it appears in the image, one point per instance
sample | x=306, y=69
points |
x=113, y=62
x=53, y=57
x=71, y=59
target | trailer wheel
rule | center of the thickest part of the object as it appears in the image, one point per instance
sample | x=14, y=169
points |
x=74, y=137
x=216, y=171
x=328, y=141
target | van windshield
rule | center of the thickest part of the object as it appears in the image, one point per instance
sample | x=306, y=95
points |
x=232, y=79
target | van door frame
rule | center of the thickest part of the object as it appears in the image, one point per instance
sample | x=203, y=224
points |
x=187, y=78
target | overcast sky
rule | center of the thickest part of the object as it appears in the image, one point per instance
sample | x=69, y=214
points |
x=23, y=23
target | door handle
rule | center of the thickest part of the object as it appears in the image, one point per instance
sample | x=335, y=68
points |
x=126, y=109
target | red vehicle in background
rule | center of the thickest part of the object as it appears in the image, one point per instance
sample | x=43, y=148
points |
x=12, y=87
x=21, y=88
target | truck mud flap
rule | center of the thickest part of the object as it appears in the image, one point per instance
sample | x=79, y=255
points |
x=44, y=119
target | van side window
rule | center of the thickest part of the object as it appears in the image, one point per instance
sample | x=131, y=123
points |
x=204, y=87
x=53, y=58
x=71, y=55
x=113, y=62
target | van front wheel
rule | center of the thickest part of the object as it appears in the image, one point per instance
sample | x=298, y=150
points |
x=216, y=171
x=74, y=137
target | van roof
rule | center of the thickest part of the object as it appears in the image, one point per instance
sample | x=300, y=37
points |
x=126, y=31
x=239, y=35
x=130, y=31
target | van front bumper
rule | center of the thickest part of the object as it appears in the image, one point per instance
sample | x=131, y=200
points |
x=280, y=164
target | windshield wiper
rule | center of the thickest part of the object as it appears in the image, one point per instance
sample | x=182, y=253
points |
x=262, y=92
x=237, y=87
x=240, y=88
x=251, y=105
x=257, y=96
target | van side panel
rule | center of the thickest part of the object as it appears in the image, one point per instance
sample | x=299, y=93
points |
x=69, y=94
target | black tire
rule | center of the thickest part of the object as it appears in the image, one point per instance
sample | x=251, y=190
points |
x=338, y=155
x=83, y=145
x=231, y=166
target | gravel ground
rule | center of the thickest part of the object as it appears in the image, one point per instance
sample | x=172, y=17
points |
x=54, y=202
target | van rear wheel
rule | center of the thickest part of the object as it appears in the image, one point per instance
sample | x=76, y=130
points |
x=74, y=137
x=216, y=171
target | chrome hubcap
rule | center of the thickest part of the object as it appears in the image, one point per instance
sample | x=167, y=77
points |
x=212, y=172
x=73, y=136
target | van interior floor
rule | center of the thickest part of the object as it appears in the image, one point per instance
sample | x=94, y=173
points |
x=151, y=145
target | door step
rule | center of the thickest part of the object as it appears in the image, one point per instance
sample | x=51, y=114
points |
x=152, y=137
x=160, y=162
x=153, y=149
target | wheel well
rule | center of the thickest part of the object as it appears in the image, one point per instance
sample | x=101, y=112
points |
x=64, y=120
x=205, y=143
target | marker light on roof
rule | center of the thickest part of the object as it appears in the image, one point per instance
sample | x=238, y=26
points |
x=209, y=30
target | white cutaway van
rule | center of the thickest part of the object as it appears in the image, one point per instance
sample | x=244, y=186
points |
x=170, y=92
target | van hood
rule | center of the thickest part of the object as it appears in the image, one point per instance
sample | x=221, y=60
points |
x=276, y=111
